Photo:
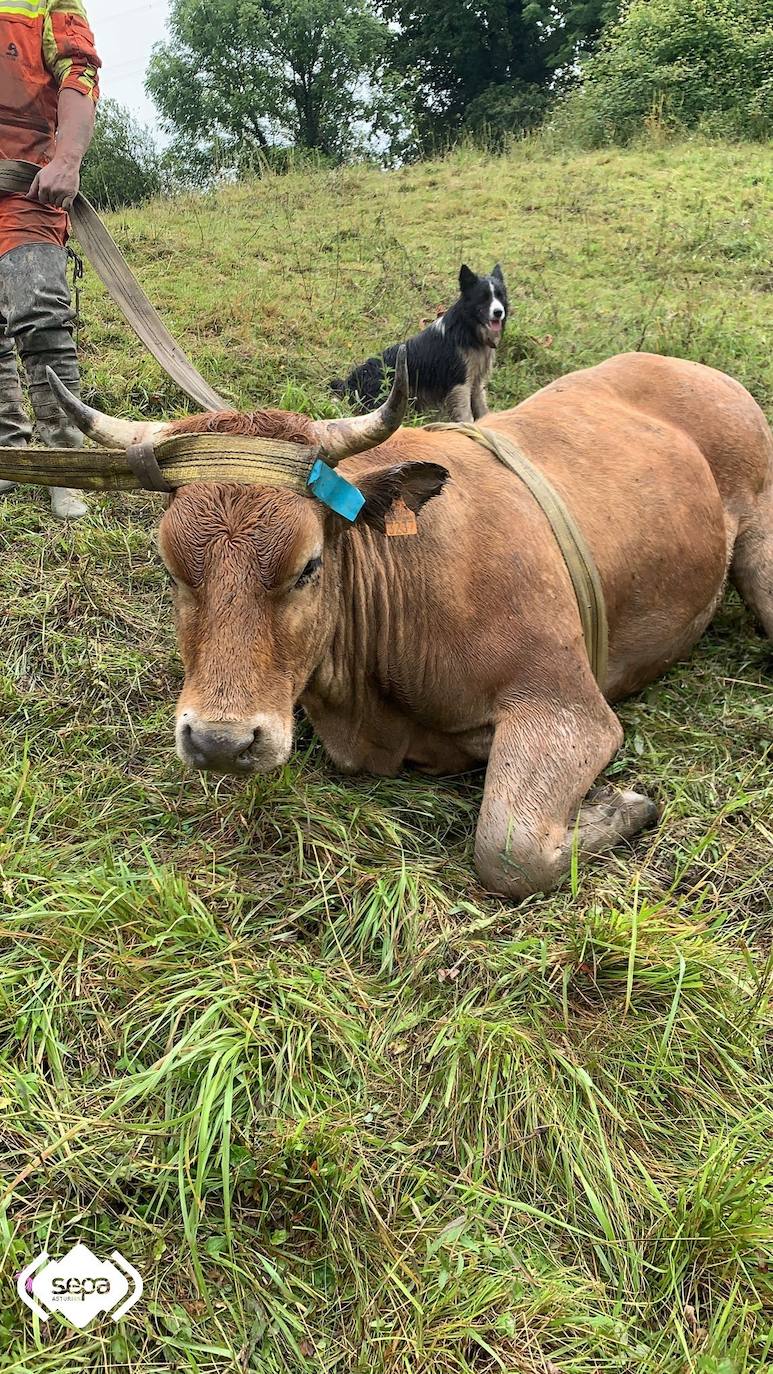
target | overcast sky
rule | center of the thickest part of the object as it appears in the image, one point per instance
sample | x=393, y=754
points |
x=125, y=31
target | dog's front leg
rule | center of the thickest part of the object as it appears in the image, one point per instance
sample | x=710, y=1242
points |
x=479, y=403
x=459, y=405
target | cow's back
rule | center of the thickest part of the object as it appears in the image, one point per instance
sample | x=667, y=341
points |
x=657, y=459
x=712, y=409
x=661, y=461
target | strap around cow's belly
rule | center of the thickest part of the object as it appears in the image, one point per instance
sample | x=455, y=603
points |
x=569, y=537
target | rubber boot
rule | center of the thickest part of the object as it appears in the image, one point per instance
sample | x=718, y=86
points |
x=15, y=428
x=39, y=320
x=54, y=348
x=56, y=430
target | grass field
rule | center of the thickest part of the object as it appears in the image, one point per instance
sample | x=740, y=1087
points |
x=344, y=1111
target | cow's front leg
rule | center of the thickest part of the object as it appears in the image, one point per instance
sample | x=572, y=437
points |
x=538, y=802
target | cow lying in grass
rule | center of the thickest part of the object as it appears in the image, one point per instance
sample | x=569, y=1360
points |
x=464, y=645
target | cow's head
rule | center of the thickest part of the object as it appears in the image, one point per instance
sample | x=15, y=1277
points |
x=255, y=575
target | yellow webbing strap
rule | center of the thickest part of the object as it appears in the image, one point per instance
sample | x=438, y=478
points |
x=114, y=272
x=182, y=459
x=569, y=537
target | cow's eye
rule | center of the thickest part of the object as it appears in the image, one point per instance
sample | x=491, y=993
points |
x=313, y=566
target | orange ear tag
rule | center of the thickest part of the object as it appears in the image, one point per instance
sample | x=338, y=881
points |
x=399, y=520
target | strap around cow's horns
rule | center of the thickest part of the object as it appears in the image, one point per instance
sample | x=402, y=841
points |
x=144, y=464
x=164, y=464
x=325, y=483
x=175, y=462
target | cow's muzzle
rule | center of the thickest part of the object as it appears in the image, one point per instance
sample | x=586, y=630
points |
x=238, y=747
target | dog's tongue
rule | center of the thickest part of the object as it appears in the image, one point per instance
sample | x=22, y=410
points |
x=496, y=326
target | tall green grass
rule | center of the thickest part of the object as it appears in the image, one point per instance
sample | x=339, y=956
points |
x=344, y=1111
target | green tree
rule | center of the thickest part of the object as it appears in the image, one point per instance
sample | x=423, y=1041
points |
x=503, y=110
x=684, y=64
x=496, y=61
x=122, y=164
x=244, y=76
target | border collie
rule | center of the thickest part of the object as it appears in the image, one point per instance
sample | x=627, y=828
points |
x=450, y=362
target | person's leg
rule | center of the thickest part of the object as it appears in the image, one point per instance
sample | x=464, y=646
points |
x=39, y=320
x=15, y=428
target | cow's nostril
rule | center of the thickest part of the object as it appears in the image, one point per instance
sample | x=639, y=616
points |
x=245, y=752
x=218, y=745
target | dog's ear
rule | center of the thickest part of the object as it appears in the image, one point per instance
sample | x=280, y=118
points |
x=467, y=279
x=496, y=273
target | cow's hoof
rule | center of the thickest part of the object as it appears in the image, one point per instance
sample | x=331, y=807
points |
x=623, y=813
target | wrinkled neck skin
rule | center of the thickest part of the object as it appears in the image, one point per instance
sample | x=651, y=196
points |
x=376, y=698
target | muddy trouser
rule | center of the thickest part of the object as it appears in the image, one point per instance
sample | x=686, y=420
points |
x=36, y=320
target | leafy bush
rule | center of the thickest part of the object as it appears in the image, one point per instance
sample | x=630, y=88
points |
x=680, y=64
x=504, y=111
x=122, y=165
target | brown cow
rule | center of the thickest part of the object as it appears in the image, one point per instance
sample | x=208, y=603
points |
x=464, y=644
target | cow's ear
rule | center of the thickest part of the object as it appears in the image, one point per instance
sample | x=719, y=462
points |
x=467, y=279
x=412, y=484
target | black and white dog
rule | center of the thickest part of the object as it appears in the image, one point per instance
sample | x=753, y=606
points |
x=450, y=362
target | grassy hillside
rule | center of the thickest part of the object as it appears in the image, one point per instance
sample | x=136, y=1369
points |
x=342, y=1110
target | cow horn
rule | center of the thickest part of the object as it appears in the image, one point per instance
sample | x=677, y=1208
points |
x=342, y=438
x=104, y=429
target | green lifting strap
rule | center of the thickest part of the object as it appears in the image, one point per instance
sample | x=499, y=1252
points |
x=569, y=537
x=120, y=282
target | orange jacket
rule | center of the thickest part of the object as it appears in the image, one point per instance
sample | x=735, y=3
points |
x=45, y=46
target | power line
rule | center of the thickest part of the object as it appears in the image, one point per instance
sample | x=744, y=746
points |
x=127, y=14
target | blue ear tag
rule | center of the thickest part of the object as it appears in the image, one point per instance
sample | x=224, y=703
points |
x=334, y=491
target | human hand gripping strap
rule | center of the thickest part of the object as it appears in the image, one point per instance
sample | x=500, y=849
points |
x=114, y=272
